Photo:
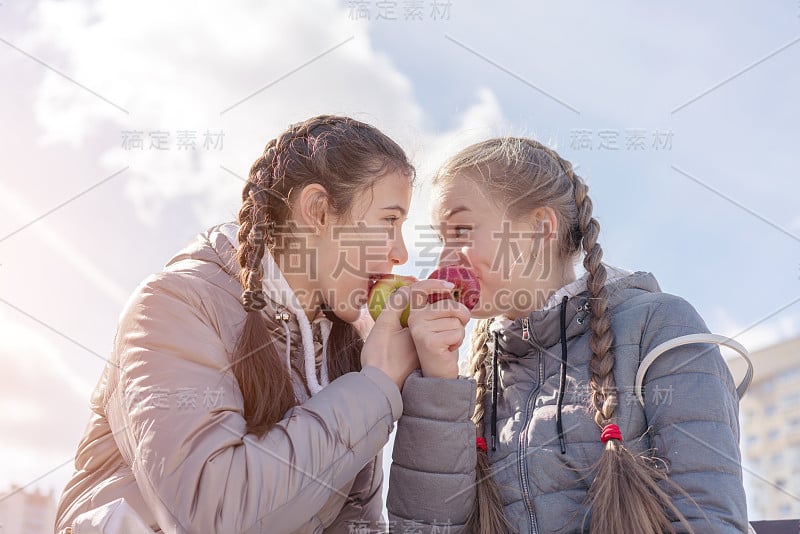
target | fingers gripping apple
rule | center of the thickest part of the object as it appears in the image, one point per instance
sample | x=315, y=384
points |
x=383, y=285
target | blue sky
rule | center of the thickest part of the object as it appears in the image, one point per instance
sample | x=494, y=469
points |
x=710, y=209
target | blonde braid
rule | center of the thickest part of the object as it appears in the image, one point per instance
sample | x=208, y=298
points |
x=601, y=365
x=624, y=495
x=478, y=368
x=487, y=515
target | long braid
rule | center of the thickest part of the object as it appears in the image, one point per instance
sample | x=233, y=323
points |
x=253, y=229
x=601, y=365
x=478, y=368
x=487, y=515
x=624, y=495
x=255, y=354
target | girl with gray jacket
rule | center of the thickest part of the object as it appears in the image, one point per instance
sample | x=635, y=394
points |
x=239, y=395
x=544, y=432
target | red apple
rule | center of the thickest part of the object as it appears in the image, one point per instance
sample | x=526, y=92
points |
x=380, y=287
x=467, y=290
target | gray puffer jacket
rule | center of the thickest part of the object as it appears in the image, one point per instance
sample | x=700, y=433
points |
x=546, y=437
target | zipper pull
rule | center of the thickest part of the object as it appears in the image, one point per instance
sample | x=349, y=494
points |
x=526, y=332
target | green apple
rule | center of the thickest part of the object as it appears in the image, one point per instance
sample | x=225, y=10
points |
x=381, y=286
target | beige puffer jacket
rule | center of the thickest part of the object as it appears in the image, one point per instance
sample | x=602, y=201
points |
x=167, y=441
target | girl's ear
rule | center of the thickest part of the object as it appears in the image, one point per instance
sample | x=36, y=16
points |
x=313, y=208
x=544, y=222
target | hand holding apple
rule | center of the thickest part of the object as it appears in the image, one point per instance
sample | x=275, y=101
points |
x=383, y=285
x=389, y=346
x=467, y=289
x=437, y=330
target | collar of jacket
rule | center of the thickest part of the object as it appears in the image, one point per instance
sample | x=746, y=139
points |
x=283, y=314
x=544, y=324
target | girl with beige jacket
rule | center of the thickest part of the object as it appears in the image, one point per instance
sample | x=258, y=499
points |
x=239, y=395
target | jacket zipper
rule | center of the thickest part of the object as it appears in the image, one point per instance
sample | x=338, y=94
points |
x=523, y=466
x=526, y=331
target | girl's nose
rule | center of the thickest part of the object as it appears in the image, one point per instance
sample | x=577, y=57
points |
x=398, y=254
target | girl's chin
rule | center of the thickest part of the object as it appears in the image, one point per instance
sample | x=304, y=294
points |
x=481, y=314
x=348, y=314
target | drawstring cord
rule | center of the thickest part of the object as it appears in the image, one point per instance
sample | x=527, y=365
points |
x=284, y=319
x=562, y=383
x=495, y=383
x=311, y=372
x=561, y=387
x=325, y=329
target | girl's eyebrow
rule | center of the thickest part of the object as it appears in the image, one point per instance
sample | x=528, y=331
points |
x=455, y=210
x=448, y=214
x=396, y=207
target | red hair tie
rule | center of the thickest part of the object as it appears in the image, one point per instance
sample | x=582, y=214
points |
x=611, y=432
x=480, y=443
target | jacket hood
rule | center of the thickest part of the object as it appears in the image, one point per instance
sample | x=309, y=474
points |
x=544, y=325
x=216, y=250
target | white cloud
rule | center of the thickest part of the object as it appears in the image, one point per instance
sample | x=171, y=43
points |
x=185, y=65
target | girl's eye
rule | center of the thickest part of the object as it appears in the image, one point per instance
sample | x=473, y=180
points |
x=460, y=231
x=391, y=220
x=453, y=232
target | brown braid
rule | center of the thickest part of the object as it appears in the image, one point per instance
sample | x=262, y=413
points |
x=523, y=175
x=346, y=157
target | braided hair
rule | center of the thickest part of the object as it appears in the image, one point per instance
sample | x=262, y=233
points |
x=346, y=157
x=487, y=515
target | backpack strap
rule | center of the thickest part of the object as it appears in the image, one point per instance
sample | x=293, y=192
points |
x=715, y=339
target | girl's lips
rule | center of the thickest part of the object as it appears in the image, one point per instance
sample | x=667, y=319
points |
x=374, y=278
